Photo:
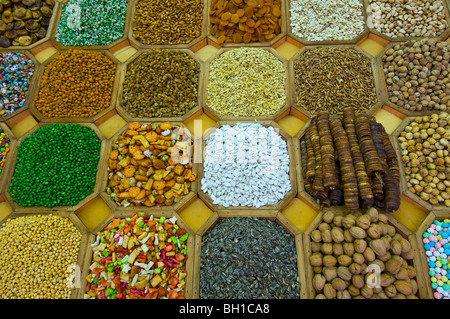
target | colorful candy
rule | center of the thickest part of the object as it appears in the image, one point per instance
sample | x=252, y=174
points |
x=4, y=148
x=437, y=250
x=138, y=257
x=16, y=70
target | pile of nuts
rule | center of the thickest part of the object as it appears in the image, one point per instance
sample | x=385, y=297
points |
x=39, y=257
x=424, y=147
x=415, y=18
x=161, y=83
x=361, y=256
x=167, y=22
x=246, y=82
x=150, y=165
x=319, y=20
x=341, y=78
x=417, y=75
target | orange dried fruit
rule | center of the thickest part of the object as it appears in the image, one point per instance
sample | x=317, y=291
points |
x=270, y=36
x=226, y=16
x=240, y=13
x=276, y=11
x=242, y=26
x=221, y=39
x=248, y=12
x=252, y=3
x=237, y=38
x=249, y=30
x=247, y=38
x=250, y=23
x=234, y=18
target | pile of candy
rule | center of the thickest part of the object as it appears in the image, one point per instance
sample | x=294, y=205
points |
x=138, y=257
x=436, y=244
x=16, y=70
x=4, y=148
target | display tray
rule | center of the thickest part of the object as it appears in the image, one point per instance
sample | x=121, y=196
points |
x=298, y=212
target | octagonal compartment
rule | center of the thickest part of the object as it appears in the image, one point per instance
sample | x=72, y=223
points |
x=324, y=17
x=52, y=24
x=75, y=279
x=404, y=183
x=99, y=114
x=32, y=80
x=373, y=269
x=126, y=25
x=387, y=93
x=439, y=216
x=190, y=243
x=4, y=175
x=226, y=117
x=98, y=176
x=268, y=210
x=282, y=24
x=138, y=43
x=374, y=79
x=163, y=210
x=376, y=11
x=279, y=221
x=180, y=118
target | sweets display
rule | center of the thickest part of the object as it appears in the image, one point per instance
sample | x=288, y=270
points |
x=56, y=166
x=435, y=241
x=16, y=70
x=139, y=257
x=150, y=165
